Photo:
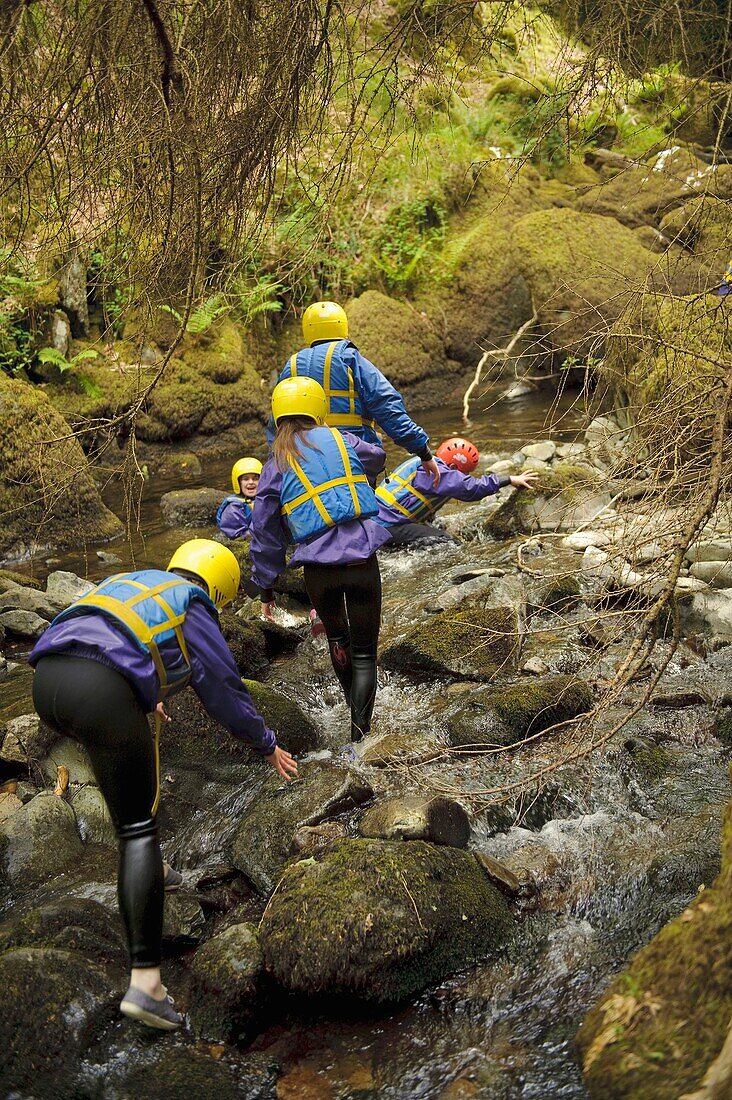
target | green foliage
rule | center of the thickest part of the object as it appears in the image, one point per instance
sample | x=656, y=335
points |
x=411, y=231
x=252, y=298
x=201, y=319
x=58, y=359
x=19, y=283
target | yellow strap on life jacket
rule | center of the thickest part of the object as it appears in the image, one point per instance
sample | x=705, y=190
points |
x=326, y=369
x=388, y=497
x=338, y=420
x=156, y=801
x=175, y=622
x=404, y=483
x=313, y=492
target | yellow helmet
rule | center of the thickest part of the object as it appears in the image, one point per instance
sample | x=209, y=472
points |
x=213, y=563
x=324, y=321
x=299, y=396
x=244, y=466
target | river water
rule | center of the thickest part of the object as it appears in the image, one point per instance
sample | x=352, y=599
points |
x=618, y=855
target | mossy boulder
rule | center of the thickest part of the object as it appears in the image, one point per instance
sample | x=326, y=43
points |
x=506, y=716
x=191, y=507
x=476, y=295
x=581, y=270
x=295, y=731
x=665, y=372
x=565, y=497
x=38, y=842
x=68, y=924
x=473, y=644
x=247, y=644
x=227, y=975
x=404, y=345
x=701, y=226
x=642, y=194
x=262, y=842
x=52, y=1003
x=47, y=495
x=381, y=920
x=187, y=1072
x=664, y=1020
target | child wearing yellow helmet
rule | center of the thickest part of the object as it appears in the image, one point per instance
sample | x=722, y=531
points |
x=316, y=491
x=105, y=664
x=234, y=515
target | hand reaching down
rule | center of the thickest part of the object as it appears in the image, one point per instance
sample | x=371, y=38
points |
x=525, y=481
x=283, y=763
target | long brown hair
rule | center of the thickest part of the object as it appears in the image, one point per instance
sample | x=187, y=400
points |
x=287, y=443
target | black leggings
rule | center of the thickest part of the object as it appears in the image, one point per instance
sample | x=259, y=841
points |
x=403, y=534
x=95, y=705
x=348, y=600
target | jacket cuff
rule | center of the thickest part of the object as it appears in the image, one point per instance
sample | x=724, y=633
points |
x=266, y=595
x=503, y=481
x=424, y=455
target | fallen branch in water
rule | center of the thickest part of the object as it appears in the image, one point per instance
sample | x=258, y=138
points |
x=503, y=353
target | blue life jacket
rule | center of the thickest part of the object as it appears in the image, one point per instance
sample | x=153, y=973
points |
x=235, y=498
x=150, y=605
x=398, y=491
x=325, y=364
x=325, y=487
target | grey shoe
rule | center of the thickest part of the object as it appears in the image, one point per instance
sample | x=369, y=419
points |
x=141, y=1006
x=173, y=879
x=348, y=753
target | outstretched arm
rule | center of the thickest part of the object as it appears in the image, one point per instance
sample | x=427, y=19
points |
x=384, y=404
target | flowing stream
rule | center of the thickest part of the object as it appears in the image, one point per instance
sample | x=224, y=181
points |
x=618, y=856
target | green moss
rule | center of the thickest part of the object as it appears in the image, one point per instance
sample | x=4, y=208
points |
x=559, y=594
x=473, y=643
x=650, y=759
x=664, y=1021
x=395, y=917
x=515, y=86
x=295, y=732
x=566, y=479
x=528, y=708
x=227, y=974
x=246, y=642
x=47, y=494
x=9, y=577
x=581, y=270
x=183, y=1073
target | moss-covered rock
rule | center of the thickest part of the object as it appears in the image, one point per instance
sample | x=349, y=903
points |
x=649, y=758
x=565, y=497
x=528, y=707
x=247, y=644
x=38, y=842
x=8, y=578
x=581, y=270
x=477, y=297
x=68, y=924
x=51, y=1003
x=295, y=731
x=404, y=345
x=418, y=817
x=227, y=973
x=47, y=495
x=381, y=920
x=701, y=226
x=262, y=842
x=665, y=372
x=184, y=1072
x=664, y=1020
x=473, y=644
x=190, y=507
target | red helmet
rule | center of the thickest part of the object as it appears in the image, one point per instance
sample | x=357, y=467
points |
x=459, y=453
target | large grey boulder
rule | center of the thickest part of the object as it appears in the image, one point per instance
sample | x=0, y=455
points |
x=262, y=842
x=23, y=624
x=380, y=920
x=718, y=574
x=191, y=507
x=64, y=588
x=72, y=294
x=25, y=739
x=18, y=598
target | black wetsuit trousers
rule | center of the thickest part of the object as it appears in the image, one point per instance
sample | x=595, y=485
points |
x=96, y=705
x=403, y=534
x=348, y=600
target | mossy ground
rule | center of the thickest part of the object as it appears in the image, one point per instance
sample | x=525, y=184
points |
x=570, y=480
x=664, y=1020
x=396, y=916
x=506, y=716
x=475, y=643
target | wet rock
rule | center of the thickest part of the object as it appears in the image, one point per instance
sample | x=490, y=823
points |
x=9, y=578
x=544, y=451
x=72, y=294
x=402, y=747
x=38, y=842
x=566, y=498
x=191, y=507
x=51, y=1004
x=183, y=919
x=247, y=644
x=462, y=591
x=9, y=804
x=580, y=540
x=295, y=732
x=553, y=595
x=69, y=924
x=316, y=838
x=500, y=875
x=396, y=918
x=74, y=757
x=473, y=643
x=64, y=587
x=280, y=639
x=108, y=559
x=159, y=1069
x=227, y=974
x=717, y=574
x=535, y=666
x=18, y=598
x=26, y=739
x=195, y=743
x=709, y=612
x=92, y=816
x=418, y=817
x=261, y=844
x=23, y=624
x=503, y=717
